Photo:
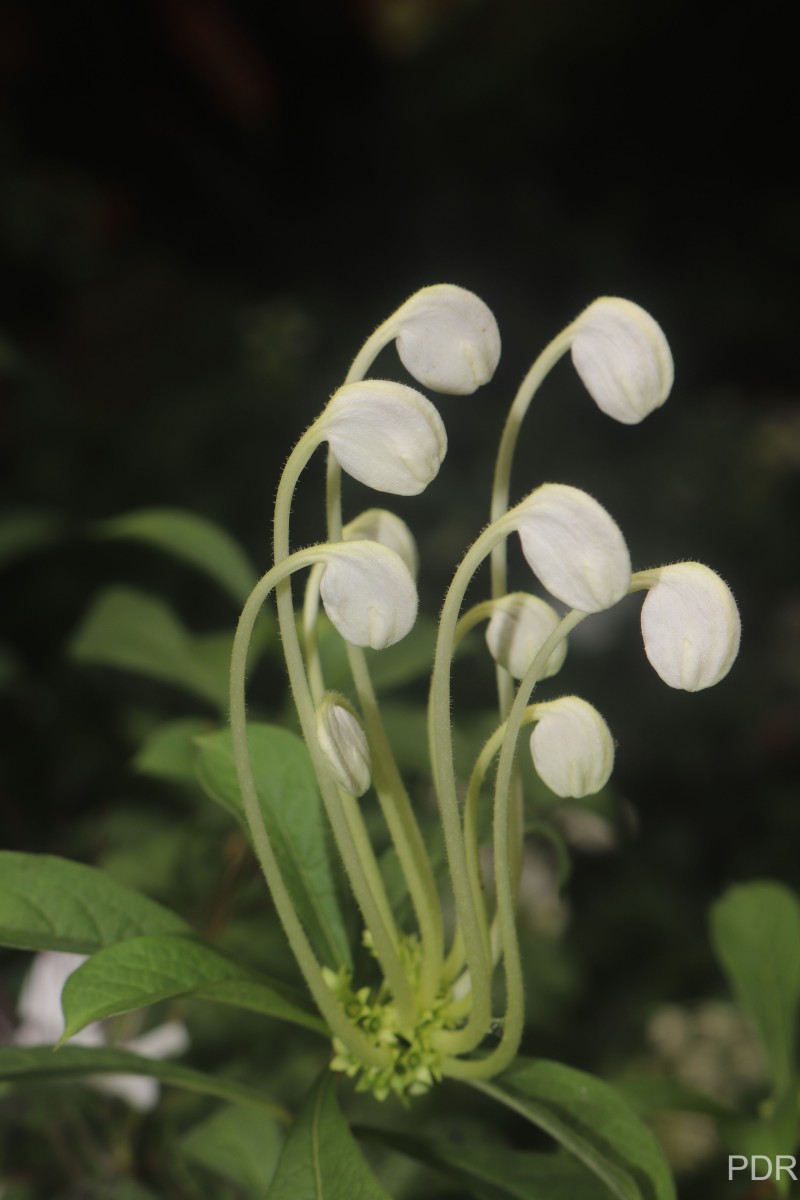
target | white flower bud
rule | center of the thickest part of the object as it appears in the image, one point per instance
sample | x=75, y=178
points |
x=448, y=339
x=368, y=594
x=518, y=628
x=380, y=525
x=623, y=358
x=573, y=546
x=344, y=744
x=691, y=626
x=572, y=747
x=385, y=435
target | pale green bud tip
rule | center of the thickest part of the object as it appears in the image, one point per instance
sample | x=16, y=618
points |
x=572, y=747
x=573, y=546
x=448, y=339
x=691, y=626
x=368, y=593
x=623, y=358
x=517, y=630
x=344, y=744
x=380, y=525
x=386, y=435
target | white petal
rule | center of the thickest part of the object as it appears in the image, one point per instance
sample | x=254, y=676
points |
x=519, y=626
x=380, y=525
x=623, y=358
x=368, y=594
x=572, y=747
x=163, y=1041
x=573, y=546
x=691, y=626
x=386, y=435
x=39, y=1004
x=344, y=744
x=448, y=339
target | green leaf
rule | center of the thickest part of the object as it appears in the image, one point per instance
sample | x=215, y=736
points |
x=169, y=752
x=38, y=1064
x=49, y=903
x=494, y=1172
x=25, y=533
x=137, y=632
x=755, y=931
x=590, y=1119
x=320, y=1160
x=647, y=1095
x=239, y=1143
x=294, y=818
x=190, y=537
x=144, y=970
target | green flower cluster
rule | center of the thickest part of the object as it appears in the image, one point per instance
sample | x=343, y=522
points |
x=414, y=1064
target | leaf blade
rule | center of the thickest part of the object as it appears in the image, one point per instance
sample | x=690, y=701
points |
x=590, y=1119
x=293, y=815
x=320, y=1159
x=50, y=903
x=142, y=971
x=755, y=932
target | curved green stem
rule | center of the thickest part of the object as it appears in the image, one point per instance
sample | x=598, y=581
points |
x=502, y=473
x=506, y=891
x=366, y=883
x=352, y=1037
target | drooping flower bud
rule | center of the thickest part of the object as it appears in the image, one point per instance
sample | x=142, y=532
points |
x=380, y=525
x=448, y=339
x=368, y=594
x=385, y=435
x=518, y=628
x=573, y=546
x=623, y=358
x=572, y=747
x=690, y=625
x=344, y=744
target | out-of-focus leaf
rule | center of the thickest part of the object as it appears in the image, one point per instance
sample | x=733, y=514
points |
x=39, y=1064
x=190, y=537
x=320, y=1159
x=591, y=1120
x=137, y=632
x=144, y=970
x=239, y=1143
x=49, y=903
x=25, y=533
x=755, y=930
x=294, y=818
x=648, y=1095
x=493, y=1172
x=170, y=752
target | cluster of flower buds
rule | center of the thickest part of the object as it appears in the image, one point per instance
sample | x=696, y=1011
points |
x=434, y=1005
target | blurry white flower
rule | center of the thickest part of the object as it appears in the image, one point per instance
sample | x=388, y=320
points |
x=344, y=744
x=380, y=525
x=41, y=1023
x=368, y=594
x=572, y=747
x=519, y=626
x=623, y=358
x=448, y=339
x=690, y=625
x=573, y=546
x=386, y=435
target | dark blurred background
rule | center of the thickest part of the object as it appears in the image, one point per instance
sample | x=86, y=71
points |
x=206, y=206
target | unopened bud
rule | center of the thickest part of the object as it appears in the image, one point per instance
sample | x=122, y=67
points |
x=368, y=594
x=519, y=626
x=386, y=435
x=448, y=339
x=344, y=744
x=691, y=626
x=572, y=747
x=380, y=525
x=573, y=546
x=623, y=358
